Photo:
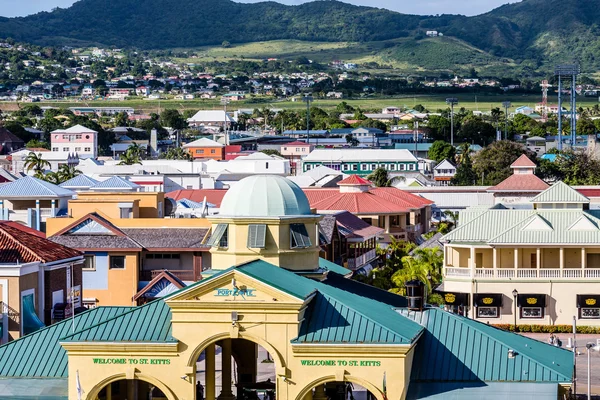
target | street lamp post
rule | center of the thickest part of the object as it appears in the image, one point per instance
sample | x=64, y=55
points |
x=224, y=102
x=515, y=293
x=589, y=346
x=308, y=99
x=452, y=101
x=506, y=105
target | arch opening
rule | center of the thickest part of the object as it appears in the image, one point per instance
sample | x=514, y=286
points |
x=124, y=389
x=235, y=369
x=352, y=388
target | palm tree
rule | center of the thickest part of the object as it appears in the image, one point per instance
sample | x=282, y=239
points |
x=36, y=163
x=453, y=216
x=380, y=178
x=413, y=269
x=66, y=172
x=132, y=156
x=177, y=154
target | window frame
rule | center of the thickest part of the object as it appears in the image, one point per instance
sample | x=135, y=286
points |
x=523, y=316
x=87, y=257
x=115, y=257
x=258, y=232
x=219, y=238
x=299, y=237
x=481, y=308
x=595, y=309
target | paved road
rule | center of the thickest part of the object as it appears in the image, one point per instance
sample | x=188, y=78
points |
x=581, y=360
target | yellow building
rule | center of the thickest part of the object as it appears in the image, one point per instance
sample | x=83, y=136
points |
x=322, y=331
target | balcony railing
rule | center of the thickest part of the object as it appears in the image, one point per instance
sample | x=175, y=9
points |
x=355, y=263
x=524, y=273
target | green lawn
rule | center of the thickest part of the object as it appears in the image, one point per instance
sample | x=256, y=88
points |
x=432, y=103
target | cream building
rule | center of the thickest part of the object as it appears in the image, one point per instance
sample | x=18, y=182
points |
x=529, y=266
x=270, y=290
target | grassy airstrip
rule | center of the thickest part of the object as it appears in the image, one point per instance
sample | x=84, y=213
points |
x=430, y=102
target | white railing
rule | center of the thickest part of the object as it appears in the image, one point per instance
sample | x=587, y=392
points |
x=524, y=273
x=462, y=272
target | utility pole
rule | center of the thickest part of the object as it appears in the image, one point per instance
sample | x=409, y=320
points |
x=568, y=70
x=225, y=101
x=506, y=105
x=452, y=101
x=308, y=99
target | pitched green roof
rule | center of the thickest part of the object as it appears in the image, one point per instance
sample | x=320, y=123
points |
x=486, y=225
x=560, y=192
x=40, y=354
x=455, y=348
x=148, y=323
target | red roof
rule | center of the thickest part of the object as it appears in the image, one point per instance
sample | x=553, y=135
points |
x=589, y=192
x=523, y=162
x=374, y=201
x=520, y=183
x=297, y=143
x=354, y=180
x=18, y=246
x=23, y=228
x=214, y=196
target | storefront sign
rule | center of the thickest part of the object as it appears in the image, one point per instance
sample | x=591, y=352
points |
x=340, y=363
x=133, y=361
x=235, y=292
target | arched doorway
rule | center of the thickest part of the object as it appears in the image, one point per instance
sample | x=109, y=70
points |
x=351, y=388
x=239, y=369
x=126, y=389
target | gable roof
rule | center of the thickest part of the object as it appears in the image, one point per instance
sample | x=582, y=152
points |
x=560, y=192
x=18, y=246
x=203, y=142
x=164, y=275
x=7, y=136
x=523, y=162
x=28, y=186
x=75, y=129
x=353, y=180
x=445, y=164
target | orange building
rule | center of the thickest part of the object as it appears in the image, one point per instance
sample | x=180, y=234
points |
x=206, y=148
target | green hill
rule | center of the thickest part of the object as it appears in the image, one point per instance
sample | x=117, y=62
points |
x=537, y=33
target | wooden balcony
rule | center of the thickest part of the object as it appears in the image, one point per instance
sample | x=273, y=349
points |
x=362, y=260
x=522, y=273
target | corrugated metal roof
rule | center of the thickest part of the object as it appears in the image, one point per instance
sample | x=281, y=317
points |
x=362, y=155
x=560, y=192
x=28, y=186
x=456, y=348
x=116, y=182
x=486, y=225
x=40, y=354
x=481, y=390
x=148, y=323
x=80, y=181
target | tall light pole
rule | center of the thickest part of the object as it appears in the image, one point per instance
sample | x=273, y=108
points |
x=515, y=293
x=506, y=105
x=308, y=99
x=224, y=102
x=589, y=346
x=568, y=70
x=452, y=101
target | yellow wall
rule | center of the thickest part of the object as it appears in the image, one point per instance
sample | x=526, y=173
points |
x=16, y=285
x=277, y=244
x=148, y=202
x=271, y=320
x=122, y=283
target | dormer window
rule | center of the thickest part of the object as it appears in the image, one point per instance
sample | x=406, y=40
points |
x=219, y=236
x=299, y=238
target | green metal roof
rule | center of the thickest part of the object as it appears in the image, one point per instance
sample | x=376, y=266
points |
x=456, y=348
x=487, y=225
x=148, y=323
x=560, y=192
x=333, y=267
x=482, y=390
x=40, y=354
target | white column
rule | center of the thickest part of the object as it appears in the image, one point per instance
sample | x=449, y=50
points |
x=583, y=258
x=516, y=259
x=53, y=203
x=495, y=261
x=38, y=219
x=387, y=223
x=562, y=260
x=209, y=367
x=538, y=260
x=472, y=262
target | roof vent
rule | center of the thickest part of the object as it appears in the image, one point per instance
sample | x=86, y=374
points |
x=415, y=294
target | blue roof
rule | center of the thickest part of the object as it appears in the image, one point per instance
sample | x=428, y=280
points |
x=116, y=182
x=80, y=181
x=549, y=157
x=28, y=186
x=187, y=203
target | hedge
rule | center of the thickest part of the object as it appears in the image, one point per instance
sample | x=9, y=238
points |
x=548, y=328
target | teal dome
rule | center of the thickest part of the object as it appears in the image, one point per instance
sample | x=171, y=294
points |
x=264, y=196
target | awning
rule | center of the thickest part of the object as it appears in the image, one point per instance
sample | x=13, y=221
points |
x=588, y=301
x=487, y=299
x=482, y=390
x=531, y=300
x=455, y=298
x=29, y=318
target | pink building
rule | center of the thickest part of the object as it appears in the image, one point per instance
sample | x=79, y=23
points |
x=76, y=140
